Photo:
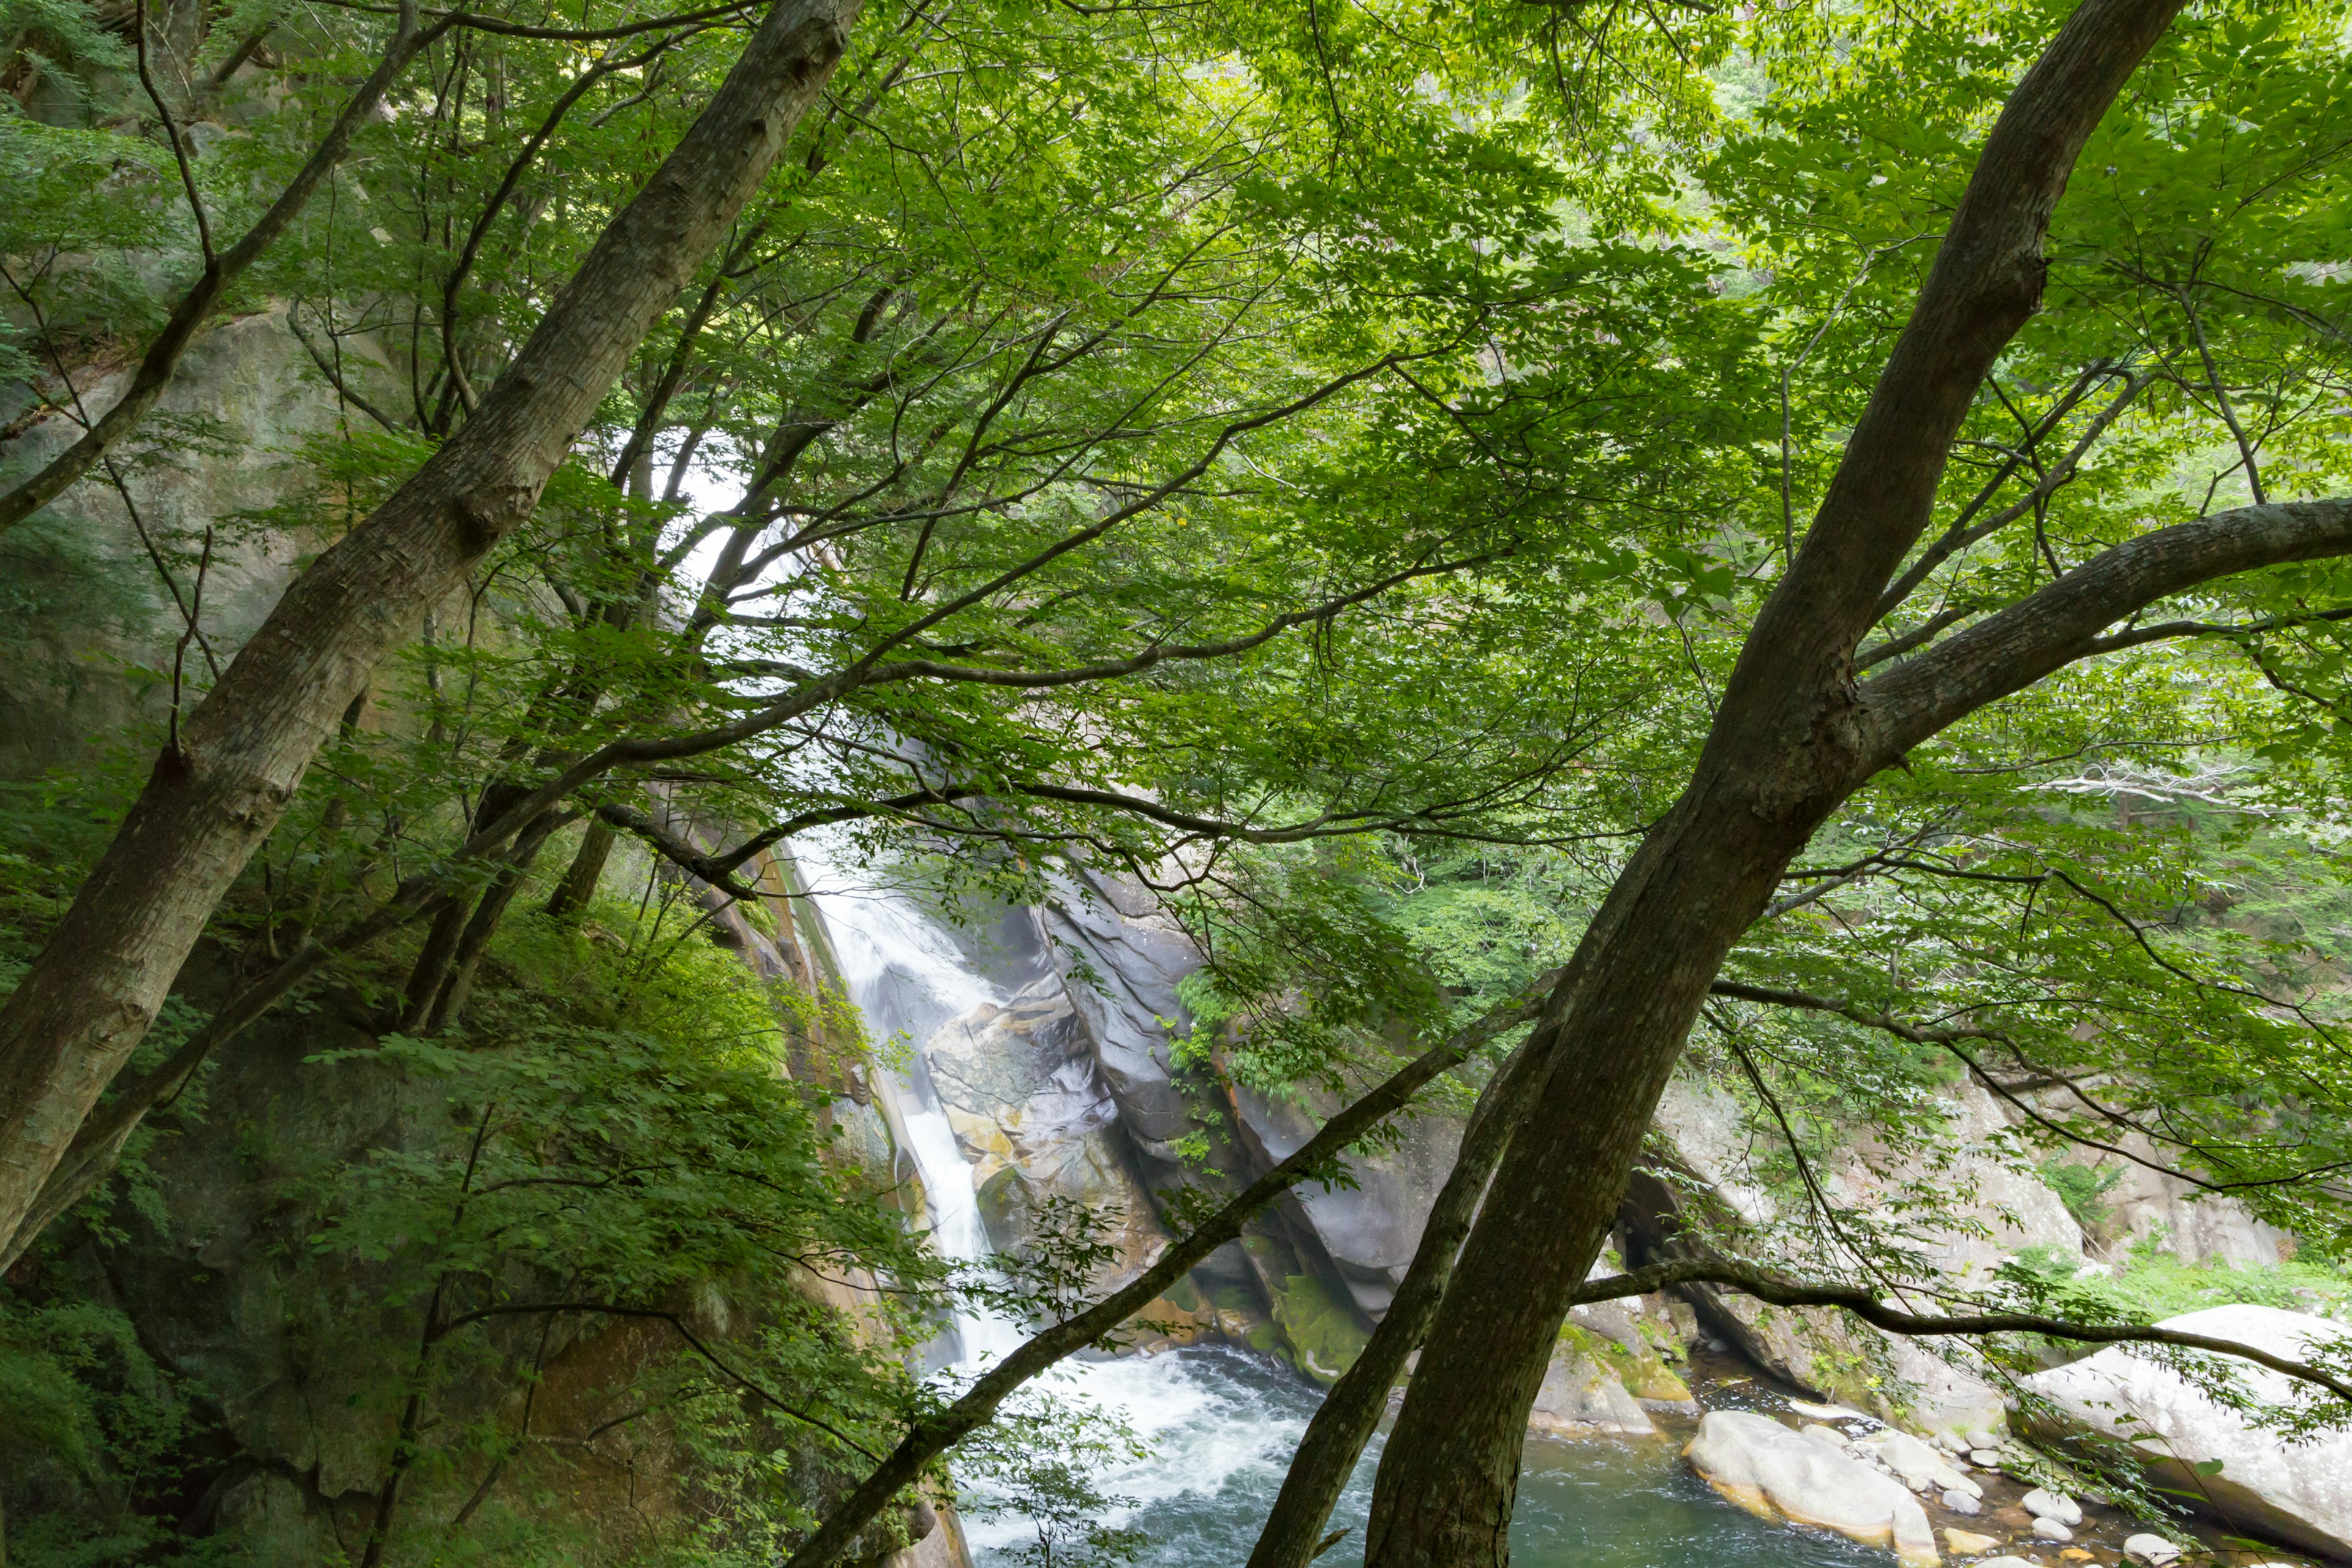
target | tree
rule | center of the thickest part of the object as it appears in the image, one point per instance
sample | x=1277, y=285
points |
x=1794, y=735
x=227, y=774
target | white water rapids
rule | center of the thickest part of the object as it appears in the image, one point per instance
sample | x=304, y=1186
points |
x=1220, y=1423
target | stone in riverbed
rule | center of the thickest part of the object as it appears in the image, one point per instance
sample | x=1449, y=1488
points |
x=1968, y=1542
x=2007, y=1563
x=2049, y=1528
x=1985, y=1459
x=1828, y=1412
x=1961, y=1502
x=2153, y=1549
x=2045, y=1504
x=1778, y=1474
x=1921, y=1466
x=2299, y=1494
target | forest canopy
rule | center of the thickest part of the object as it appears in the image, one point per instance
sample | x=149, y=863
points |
x=1559, y=544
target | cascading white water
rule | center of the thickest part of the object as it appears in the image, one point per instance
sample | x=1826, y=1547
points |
x=1220, y=1423
x=906, y=976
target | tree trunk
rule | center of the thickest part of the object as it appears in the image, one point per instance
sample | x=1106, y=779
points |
x=1792, y=738
x=90, y=996
x=1344, y=1423
x=585, y=873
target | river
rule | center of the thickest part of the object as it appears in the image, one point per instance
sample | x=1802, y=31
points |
x=1220, y=1424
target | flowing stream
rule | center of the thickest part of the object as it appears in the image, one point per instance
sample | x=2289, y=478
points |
x=1220, y=1423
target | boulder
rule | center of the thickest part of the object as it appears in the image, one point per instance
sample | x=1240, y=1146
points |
x=1921, y=1466
x=1778, y=1474
x=1370, y=1226
x=2153, y=1549
x=2049, y=1528
x=2043, y=1504
x=2298, y=1493
x=1581, y=1394
x=1961, y=1502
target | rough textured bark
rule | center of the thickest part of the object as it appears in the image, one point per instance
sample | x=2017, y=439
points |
x=1350, y=1413
x=93, y=992
x=1788, y=742
x=582, y=878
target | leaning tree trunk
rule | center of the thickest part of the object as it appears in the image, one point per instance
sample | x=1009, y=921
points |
x=1792, y=738
x=90, y=996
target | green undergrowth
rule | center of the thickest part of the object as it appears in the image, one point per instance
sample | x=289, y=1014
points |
x=589, y=1234
x=2152, y=1284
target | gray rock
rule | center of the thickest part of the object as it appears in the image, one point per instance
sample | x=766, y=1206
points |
x=2049, y=1528
x=1960, y=1502
x=2043, y=1504
x=1579, y=1396
x=2153, y=1549
x=1019, y=1085
x=1985, y=1459
x=1981, y=1439
x=1779, y=1474
x=2298, y=1493
x=2007, y=1562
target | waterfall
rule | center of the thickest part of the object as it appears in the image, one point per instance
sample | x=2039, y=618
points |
x=906, y=976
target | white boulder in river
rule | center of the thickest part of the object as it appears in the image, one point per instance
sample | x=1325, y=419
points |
x=1779, y=1474
x=2300, y=1493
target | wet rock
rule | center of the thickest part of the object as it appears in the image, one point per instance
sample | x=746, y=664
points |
x=1778, y=1474
x=2152, y=1549
x=1019, y=1087
x=1960, y=1502
x=2049, y=1528
x=1580, y=1393
x=2043, y=1504
x=2299, y=1494
x=1968, y=1542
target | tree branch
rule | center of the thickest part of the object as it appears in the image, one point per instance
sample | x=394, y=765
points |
x=1781, y=1292
x=2010, y=651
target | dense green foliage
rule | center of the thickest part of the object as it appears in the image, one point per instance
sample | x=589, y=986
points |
x=1318, y=462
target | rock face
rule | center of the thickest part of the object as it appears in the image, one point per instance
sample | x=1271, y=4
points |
x=2147, y=1205
x=1700, y=1179
x=1581, y=1394
x=1778, y=1474
x=84, y=619
x=2299, y=1494
x=1020, y=1089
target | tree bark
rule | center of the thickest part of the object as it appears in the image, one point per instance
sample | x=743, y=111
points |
x=92, y=993
x=1345, y=1421
x=582, y=878
x=1788, y=742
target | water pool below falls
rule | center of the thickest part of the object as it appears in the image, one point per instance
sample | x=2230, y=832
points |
x=1221, y=1423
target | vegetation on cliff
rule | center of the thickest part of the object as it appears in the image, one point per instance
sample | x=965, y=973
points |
x=1801, y=547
